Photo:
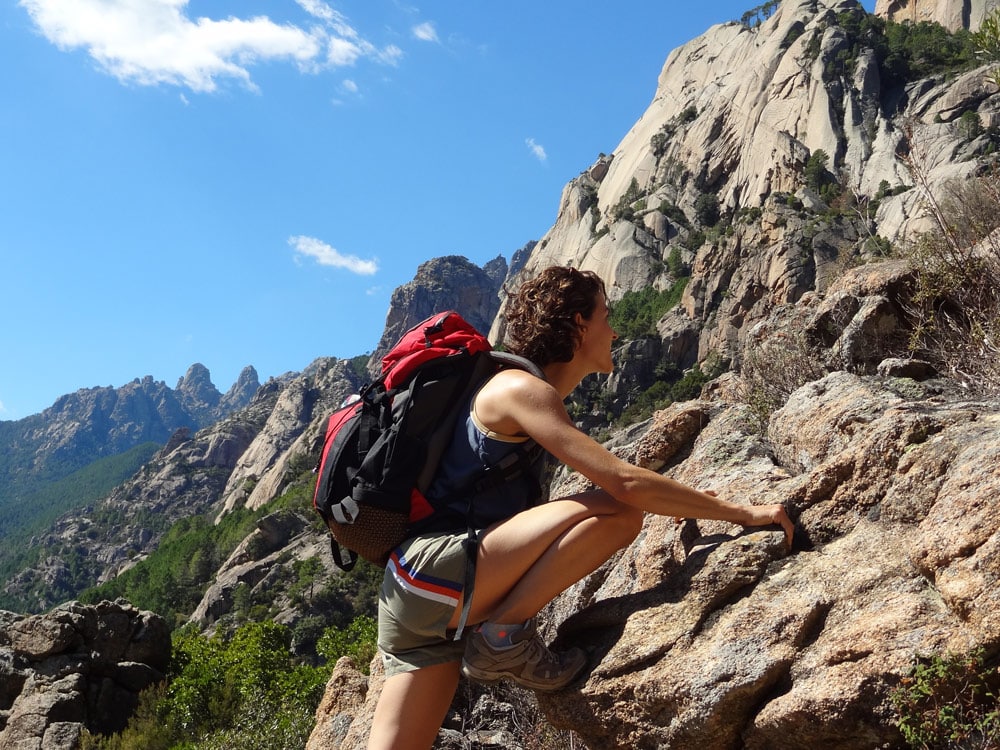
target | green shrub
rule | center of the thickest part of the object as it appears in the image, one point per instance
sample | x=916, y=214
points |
x=657, y=396
x=671, y=386
x=706, y=209
x=969, y=125
x=245, y=692
x=949, y=701
x=358, y=641
x=955, y=308
x=756, y=16
x=772, y=369
x=675, y=214
x=675, y=264
x=816, y=173
x=624, y=208
x=693, y=240
x=636, y=314
x=909, y=51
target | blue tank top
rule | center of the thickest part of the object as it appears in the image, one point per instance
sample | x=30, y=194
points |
x=473, y=446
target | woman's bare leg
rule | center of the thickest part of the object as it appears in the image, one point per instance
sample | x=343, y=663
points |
x=528, y=560
x=412, y=707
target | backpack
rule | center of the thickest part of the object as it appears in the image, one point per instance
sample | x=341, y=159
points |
x=383, y=446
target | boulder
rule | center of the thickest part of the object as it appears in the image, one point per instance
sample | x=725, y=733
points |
x=77, y=666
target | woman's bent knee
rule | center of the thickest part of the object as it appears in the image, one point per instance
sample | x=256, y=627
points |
x=615, y=517
x=628, y=522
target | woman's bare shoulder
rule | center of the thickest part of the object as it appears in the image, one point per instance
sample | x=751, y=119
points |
x=518, y=384
x=506, y=400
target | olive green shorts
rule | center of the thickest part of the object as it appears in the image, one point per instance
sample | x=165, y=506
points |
x=421, y=588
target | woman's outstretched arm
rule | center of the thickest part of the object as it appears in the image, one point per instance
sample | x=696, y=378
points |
x=516, y=402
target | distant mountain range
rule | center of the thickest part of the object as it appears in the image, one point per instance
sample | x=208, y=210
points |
x=116, y=428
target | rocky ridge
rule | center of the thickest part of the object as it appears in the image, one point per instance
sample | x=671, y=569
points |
x=257, y=449
x=95, y=423
x=745, y=140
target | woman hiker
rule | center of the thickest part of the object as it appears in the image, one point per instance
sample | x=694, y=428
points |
x=527, y=553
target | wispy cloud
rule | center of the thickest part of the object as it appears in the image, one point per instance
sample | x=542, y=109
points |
x=425, y=32
x=325, y=255
x=537, y=149
x=320, y=10
x=150, y=42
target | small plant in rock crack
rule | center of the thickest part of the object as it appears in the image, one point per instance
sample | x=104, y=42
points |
x=948, y=702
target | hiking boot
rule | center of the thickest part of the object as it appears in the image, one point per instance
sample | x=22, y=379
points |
x=528, y=662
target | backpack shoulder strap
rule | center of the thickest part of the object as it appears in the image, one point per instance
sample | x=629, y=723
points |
x=507, y=359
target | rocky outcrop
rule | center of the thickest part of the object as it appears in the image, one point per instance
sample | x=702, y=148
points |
x=241, y=393
x=197, y=393
x=76, y=667
x=264, y=557
x=952, y=14
x=737, y=115
x=448, y=283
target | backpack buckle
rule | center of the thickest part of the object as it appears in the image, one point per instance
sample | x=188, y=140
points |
x=346, y=511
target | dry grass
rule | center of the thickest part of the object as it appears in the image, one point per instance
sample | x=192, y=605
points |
x=773, y=367
x=956, y=308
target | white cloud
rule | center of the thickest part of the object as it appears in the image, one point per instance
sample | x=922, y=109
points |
x=425, y=32
x=536, y=149
x=391, y=55
x=328, y=256
x=349, y=85
x=319, y=10
x=3, y=409
x=151, y=42
x=341, y=52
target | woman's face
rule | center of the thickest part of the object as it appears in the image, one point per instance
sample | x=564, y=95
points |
x=598, y=335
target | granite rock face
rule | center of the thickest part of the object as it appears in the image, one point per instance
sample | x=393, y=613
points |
x=702, y=634
x=76, y=667
x=293, y=428
x=738, y=114
x=952, y=14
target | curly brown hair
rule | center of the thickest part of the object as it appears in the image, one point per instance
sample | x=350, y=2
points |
x=541, y=314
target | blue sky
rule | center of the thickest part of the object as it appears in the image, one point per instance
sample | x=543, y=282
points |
x=245, y=183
